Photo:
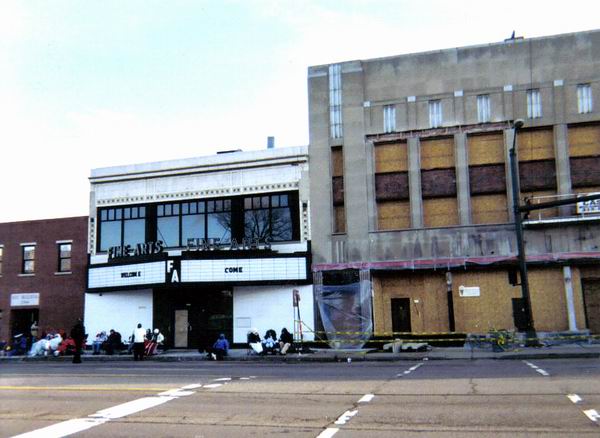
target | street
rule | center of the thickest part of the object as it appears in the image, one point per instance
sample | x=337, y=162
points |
x=445, y=398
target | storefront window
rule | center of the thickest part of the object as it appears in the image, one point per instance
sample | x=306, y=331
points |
x=192, y=221
x=167, y=224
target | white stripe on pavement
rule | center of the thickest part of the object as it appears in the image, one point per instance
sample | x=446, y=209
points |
x=328, y=433
x=574, y=398
x=592, y=414
x=345, y=417
x=410, y=370
x=65, y=428
x=213, y=385
x=366, y=398
x=536, y=368
x=131, y=407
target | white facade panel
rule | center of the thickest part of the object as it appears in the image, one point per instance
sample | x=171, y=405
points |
x=121, y=311
x=226, y=270
x=126, y=275
x=270, y=307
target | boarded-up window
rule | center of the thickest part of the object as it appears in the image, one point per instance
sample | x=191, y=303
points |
x=437, y=153
x=490, y=209
x=584, y=140
x=393, y=215
x=535, y=144
x=391, y=158
x=440, y=212
x=486, y=148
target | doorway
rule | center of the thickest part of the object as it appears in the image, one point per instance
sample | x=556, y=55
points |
x=193, y=317
x=21, y=321
x=591, y=301
x=401, y=315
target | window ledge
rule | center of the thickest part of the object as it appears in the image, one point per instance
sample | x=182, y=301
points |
x=27, y=275
x=63, y=273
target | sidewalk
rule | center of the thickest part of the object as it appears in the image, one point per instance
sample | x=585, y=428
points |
x=564, y=351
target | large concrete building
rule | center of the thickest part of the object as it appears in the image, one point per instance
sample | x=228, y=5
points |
x=411, y=187
x=201, y=246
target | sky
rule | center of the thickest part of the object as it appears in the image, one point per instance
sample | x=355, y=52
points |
x=89, y=84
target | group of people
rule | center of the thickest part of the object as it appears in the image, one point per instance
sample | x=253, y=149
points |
x=270, y=344
x=111, y=343
x=145, y=342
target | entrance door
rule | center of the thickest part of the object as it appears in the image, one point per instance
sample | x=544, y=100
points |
x=22, y=319
x=181, y=328
x=401, y=315
x=591, y=298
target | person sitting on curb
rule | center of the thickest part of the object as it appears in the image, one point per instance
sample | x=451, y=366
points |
x=254, y=342
x=285, y=341
x=270, y=342
x=220, y=348
x=97, y=344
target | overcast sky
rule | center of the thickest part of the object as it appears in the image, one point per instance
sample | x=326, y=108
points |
x=87, y=84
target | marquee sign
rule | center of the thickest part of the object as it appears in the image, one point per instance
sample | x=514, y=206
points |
x=176, y=270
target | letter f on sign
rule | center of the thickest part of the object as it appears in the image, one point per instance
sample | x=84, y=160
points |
x=169, y=265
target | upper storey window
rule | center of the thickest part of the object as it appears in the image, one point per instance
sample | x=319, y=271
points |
x=584, y=98
x=268, y=217
x=335, y=101
x=389, y=118
x=64, y=257
x=176, y=223
x=534, y=104
x=435, y=113
x=483, y=108
x=28, y=266
x=122, y=226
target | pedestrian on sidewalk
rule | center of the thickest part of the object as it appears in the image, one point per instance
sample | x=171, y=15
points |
x=78, y=335
x=139, y=336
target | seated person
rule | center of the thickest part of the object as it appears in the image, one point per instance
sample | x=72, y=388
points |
x=254, y=342
x=285, y=341
x=101, y=338
x=156, y=340
x=270, y=342
x=220, y=348
x=114, y=343
x=67, y=347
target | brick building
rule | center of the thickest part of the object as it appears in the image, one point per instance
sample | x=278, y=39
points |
x=411, y=185
x=42, y=274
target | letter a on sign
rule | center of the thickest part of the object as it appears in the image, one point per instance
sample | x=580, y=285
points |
x=175, y=277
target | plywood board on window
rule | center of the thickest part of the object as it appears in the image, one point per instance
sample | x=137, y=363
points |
x=537, y=144
x=393, y=215
x=391, y=158
x=489, y=209
x=440, y=212
x=339, y=225
x=584, y=140
x=437, y=153
x=486, y=148
x=537, y=197
x=337, y=161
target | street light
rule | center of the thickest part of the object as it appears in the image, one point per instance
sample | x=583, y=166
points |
x=514, y=173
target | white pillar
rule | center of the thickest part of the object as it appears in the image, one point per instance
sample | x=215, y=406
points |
x=569, y=295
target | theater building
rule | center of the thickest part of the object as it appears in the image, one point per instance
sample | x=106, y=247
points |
x=201, y=246
x=42, y=275
x=411, y=184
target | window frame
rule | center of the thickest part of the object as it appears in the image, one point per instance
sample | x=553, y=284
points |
x=389, y=119
x=59, y=246
x=534, y=104
x=436, y=115
x=270, y=211
x=122, y=220
x=24, y=260
x=484, y=108
x=585, y=101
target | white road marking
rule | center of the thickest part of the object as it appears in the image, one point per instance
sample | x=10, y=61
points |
x=536, y=368
x=65, y=428
x=410, y=370
x=222, y=379
x=592, y=414
x=131, y=407
x=328, y=433
x=366, y=398
x=76, y=425
x=574, y=398
x=175, y=393
x=346, y=416
x=244, y=378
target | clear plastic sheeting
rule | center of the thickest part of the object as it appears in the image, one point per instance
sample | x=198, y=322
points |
x=345, y=311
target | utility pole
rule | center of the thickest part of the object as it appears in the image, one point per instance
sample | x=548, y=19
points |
x=514, y=173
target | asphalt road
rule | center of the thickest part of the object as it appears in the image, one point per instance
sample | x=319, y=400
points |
x=237, y=399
